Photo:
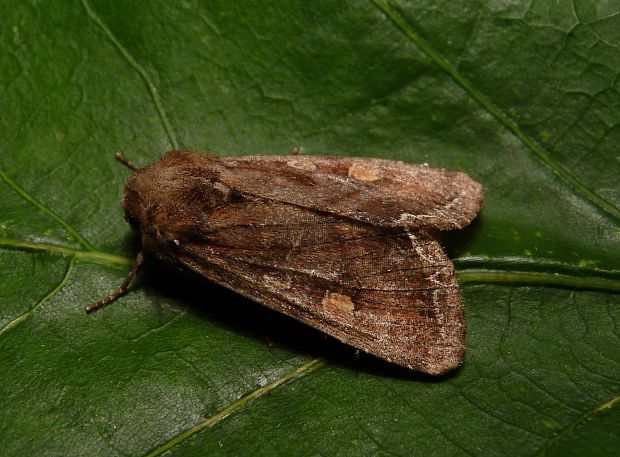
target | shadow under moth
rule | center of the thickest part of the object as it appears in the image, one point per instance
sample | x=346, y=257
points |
x=348, y=246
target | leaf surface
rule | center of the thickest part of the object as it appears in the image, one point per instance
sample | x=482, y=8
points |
x=523, y=96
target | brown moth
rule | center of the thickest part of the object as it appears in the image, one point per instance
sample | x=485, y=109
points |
x=348, y=246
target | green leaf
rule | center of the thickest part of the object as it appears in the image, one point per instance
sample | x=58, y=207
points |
x=524, y=96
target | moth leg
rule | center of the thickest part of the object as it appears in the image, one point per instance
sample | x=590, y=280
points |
x=125, y=161
x=123, y=287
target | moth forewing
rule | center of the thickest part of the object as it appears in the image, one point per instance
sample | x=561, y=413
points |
x=347, y=246
x=378, y=191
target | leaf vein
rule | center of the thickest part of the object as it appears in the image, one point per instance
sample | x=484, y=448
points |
x=236, y=406
x=486, y=103
x=152, y=89
x=28, y=314
x=40, y=206
x=577, y=422
x=92, y=256
x=431, y=424
x=497, y=417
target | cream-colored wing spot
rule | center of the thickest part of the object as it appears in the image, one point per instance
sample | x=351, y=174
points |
x=363, y=172
x=335, y=303
x=301, y=163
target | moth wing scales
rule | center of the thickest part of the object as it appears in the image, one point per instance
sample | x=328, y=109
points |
x=388, y=294
x=381, y=192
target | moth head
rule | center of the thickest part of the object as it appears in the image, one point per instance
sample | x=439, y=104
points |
x=158, y=202
x=167, y=202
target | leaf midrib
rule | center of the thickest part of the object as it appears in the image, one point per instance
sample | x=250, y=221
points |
x=94, y=255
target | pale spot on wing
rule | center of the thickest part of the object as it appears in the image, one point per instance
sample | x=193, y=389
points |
x=301, y=163
x=336, y=303
x=364, y=173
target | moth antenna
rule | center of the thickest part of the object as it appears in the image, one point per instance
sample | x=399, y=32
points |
x=123, y=287
x=125, y=161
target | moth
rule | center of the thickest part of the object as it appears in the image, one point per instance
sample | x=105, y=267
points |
x=349, y=246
